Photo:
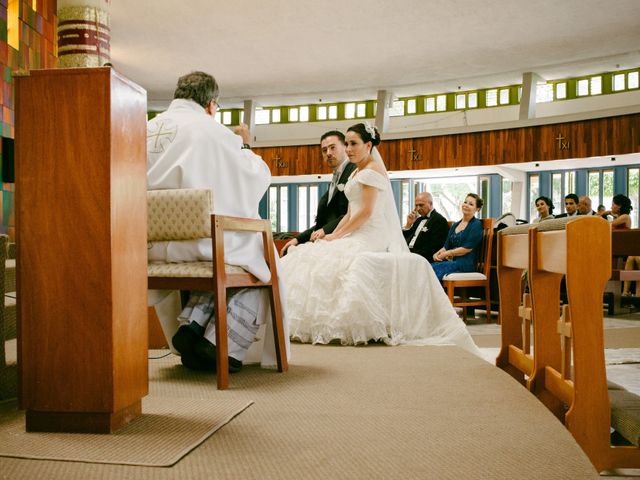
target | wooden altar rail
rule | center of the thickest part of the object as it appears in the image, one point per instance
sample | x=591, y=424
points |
x=568, y=372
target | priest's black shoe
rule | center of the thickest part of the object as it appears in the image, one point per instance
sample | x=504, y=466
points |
x=206, y=351
x=192, y=362
x=184, y=340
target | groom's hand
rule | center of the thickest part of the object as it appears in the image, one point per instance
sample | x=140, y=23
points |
x=317, y=235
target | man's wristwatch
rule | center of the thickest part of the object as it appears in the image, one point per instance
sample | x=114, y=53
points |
x=245, y=145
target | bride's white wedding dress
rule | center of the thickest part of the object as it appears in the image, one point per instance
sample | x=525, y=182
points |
x=367, y=286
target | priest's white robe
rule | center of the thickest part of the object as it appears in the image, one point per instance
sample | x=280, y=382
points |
x=188, y=148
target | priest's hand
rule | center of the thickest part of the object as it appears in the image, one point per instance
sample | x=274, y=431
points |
x=291, y=243
x=243, y=131
x=317, y=235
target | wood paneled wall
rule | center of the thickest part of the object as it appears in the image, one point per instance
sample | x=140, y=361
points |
x=589, y=138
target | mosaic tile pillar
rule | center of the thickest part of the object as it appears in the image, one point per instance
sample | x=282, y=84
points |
x=83, y=33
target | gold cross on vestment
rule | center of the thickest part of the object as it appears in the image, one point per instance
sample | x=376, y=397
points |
x=160, y=133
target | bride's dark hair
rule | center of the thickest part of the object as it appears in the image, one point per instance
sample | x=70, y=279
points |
x=365, y=135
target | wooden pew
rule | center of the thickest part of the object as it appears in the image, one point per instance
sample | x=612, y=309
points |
x=575, y=372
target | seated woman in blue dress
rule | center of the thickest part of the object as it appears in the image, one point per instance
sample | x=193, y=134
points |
x=463, y=241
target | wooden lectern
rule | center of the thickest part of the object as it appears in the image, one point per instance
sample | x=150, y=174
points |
x=81, y=219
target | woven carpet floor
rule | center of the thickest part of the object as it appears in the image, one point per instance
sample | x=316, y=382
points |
x=167, y=430
x=371, y=412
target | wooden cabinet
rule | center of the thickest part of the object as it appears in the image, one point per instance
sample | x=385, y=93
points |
x=81, y=249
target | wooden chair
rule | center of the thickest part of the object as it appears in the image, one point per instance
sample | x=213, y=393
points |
x=575, y=371
x=479, y=278
x=185, y=215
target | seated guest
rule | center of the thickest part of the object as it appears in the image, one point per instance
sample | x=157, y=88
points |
x=425, y=230
x=584, y=206
x=570, y=206
x=333, y=204
x=463, y=241
x=620, y=210
x=601, y=210
x=545, y=209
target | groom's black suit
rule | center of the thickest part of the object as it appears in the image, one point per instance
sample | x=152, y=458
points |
x=431, y=238
x=330, y=212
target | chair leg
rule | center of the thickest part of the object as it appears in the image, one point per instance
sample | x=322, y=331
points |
x=488, y=298
x=278, y=328
x=222, y=347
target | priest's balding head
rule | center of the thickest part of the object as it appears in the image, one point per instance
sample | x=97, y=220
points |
x=200, y=87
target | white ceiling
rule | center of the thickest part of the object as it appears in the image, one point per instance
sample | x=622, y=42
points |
x=281, y=52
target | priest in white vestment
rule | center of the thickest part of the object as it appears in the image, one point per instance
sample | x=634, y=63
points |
x=188, y=148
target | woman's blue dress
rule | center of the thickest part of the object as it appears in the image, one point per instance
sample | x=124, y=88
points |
x=470, y=237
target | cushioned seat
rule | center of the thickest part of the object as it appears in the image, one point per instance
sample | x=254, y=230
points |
x=465, y=276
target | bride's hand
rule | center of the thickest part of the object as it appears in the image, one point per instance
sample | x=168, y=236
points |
x=329, y=237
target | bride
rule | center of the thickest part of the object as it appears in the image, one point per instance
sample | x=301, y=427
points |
x=360, y=282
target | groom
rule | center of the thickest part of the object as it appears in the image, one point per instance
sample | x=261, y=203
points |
x=333, y=204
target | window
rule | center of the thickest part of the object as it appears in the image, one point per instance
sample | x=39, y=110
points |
x=321, y=113
x=411, y=105
x=569, y=182
x=594, y=187
x=561, y=90
x=544, y=93
x=430, y=104
x=632, y=80
x=473, y=100
x=504, y=96
x=583, y=87
x=13, y=24
x=304, y=113
x=226, y=118
x=262, y=117
x=275, y=115
x=507, y=189
x=303, y=210
x=492, y=97
x=633, y=191
x=279, y=208
x=556, y=191
x=461, y=101
x=405, y=201
x=218, y=116
x=618, y=82
x=596, y=85
x=534, y=192
x=441, y=103
x=448, y=193
x=333, y=112
x=307, y=205
x=607, y=187
x=397, y=109
x=361, y=110
x=350, y=110
x=293, y=114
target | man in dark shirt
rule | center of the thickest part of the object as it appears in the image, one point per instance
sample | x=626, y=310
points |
x=426, y=230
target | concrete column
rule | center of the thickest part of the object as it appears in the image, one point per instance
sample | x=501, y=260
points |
x=528, y=99
x=250, y=115
x=382, y=114
x=83, y=33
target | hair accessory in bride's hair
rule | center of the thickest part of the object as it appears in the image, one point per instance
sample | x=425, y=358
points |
x=370, y=129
